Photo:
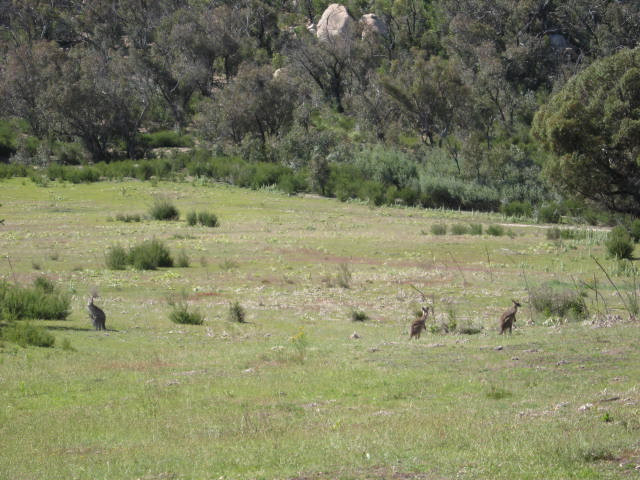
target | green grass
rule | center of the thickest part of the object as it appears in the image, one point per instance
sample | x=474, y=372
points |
x=288, y=394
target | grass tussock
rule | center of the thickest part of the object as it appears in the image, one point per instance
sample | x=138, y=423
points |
x=25, y=334
x=553, y=302
x=206, y=219
x=42, y=301
x=237, y=313
x=163, y=209
x=359, y=316
x=148, y=255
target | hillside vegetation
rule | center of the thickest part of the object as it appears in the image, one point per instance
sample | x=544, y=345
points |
x=417, y=102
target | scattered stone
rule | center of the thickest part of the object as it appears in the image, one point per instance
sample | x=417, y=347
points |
x=561, y=362
x=585, y=407
x=172, y=382
x=515, y=359
x=434, y=345
x=374, y=349
x=498, y=348
x=561, y=405
x=248, y=370
x=373, y=25
x=532, y=350
x=354, y=336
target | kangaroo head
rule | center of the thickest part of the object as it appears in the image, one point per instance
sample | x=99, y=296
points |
x=516, y=304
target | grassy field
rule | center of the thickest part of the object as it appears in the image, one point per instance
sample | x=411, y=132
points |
x=289, y=394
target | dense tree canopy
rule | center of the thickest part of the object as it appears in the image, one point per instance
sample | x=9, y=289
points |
x=592, y=127
x=448, y=85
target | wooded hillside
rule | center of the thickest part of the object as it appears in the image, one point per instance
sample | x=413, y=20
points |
x=393, y=101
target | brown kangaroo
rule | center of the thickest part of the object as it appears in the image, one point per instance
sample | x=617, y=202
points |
x=419, y=325
x=508, y=318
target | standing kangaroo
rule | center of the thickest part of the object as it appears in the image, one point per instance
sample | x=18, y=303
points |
x=96, y=314
x=508, y=318
x=419, y=325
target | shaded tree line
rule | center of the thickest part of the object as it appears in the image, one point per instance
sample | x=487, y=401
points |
x=450, y=86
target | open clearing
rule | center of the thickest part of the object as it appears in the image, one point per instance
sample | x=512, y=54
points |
x=289, y=394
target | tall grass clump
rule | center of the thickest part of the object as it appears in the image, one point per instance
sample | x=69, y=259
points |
x=439, y=229
x=149, y=255
x=475, y=229
x=459, y=229
x=42, y=301
x=180, y=312
x=206, y=219
x=559, y=302
x=634, y=230
x=163, y=209
x=495, y=230
x=619, y=243
x=116, y=258
x=25, y=334
x=359, y=316
x=237, y=313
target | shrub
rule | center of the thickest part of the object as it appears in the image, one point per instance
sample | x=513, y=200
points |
x=182, y=260
x=459, y=229
x=192, y=218
x=549, y=214
x=18, y=302
x=560, y=303
x=517, y=209
x=128, y=218
x=495, y=230
x=475, y=228
x=150, y=255
x=634, y=230
x=26, y=334
x=44, y=284
x=439, y=229
x=359, y=316
x=116, y=258
x=163, y=209
x=344, y=275
x=619, y=243
x=165, y=138
x=182, y=315
x=237, y=313
x=207, y=219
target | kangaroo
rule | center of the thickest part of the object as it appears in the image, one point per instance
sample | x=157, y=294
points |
x=508, y=318
x=419, y=325
x=96, y=314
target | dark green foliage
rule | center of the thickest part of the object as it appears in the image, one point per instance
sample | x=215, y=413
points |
x=149, y=255
x=475, y=228
x=25, y=334
x=163, y=209
x=619, y=243
x=181, y=314
x=192, y=218
x=634, y=230
x=556, y=233
x=43, y=301
x=549, y=214
x=166, y=138
x=439, y=229
x=495, y=230
x=359, y=316
x=44, y=284
x=182, y=260
x=517, y=209
x=558, y=302
x=498, y=393
x=207, y=219
x=237, y=313
x=459, y=229
x=116, y=258
x=128, y=217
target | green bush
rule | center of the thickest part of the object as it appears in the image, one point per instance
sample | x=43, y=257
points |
x=517, y=209
x=166, y=138
x=207, y=219
x=559, y=302
x=182, y=315
x=634, y=230
x=116, y=258
x=44, y=284
x=39, y=302
x=475, y=228
x=619, y=243
x=459, y=229
x=163, y=209
x=237, y=313
x=149, y=255
x=359, y=316
x=25, y=334
x=182, y=260
x=128, y=218
x=549, y=213
x=439, y=229
x=495, y=230
x=192, y=218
